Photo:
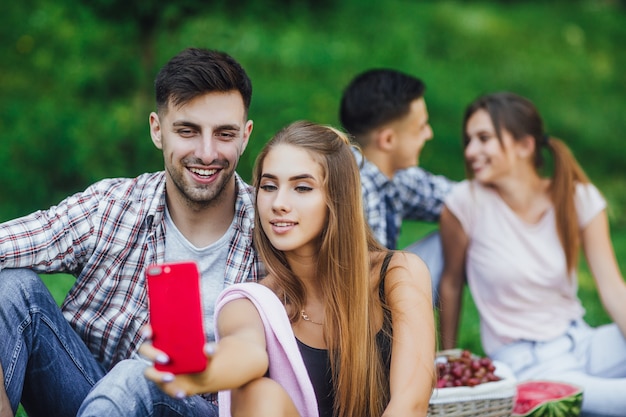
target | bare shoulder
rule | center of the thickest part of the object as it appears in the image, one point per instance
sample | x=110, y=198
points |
x=408, y=278
x=407, y=263
x=403, y=267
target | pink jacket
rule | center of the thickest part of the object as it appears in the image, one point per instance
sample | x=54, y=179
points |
x=285, y=361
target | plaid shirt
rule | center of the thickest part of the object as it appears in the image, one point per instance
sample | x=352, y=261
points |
x=415, y=194
x=106, y=236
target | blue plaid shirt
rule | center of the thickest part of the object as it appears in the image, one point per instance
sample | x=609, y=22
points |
x=106, y=236
x=412, y=194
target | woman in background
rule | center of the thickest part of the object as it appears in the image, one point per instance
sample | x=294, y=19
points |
x=515, y=235
x=358, y=316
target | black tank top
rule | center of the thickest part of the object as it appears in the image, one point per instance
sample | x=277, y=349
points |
x=317, y=362
x=318, y=366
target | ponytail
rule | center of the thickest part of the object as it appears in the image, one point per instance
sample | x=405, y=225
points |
x=567, y=173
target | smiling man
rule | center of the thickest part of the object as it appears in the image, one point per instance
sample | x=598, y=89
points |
x=385, y=112
x=198, y=208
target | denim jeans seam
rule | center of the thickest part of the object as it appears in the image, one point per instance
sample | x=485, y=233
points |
x=70, y=353
x=9, y=372
x=45, y=320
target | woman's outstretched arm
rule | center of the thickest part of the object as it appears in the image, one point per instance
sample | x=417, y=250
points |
x=455, y=242
x=238, y=358
x=596, y=242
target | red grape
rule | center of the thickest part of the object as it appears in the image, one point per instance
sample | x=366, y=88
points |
x=465, y=370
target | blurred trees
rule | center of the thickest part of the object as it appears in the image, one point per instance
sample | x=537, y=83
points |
x=143, y=20
x=76, y=90
x=69, y=108
x=76, y=76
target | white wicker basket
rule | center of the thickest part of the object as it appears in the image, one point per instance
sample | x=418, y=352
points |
x=491, y=399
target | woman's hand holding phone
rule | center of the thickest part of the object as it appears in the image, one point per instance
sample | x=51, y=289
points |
x=176, y=315
x=175, y=385
x=183, y=363
x=176, y=341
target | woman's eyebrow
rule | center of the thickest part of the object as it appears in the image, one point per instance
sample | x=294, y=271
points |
x=292, y=178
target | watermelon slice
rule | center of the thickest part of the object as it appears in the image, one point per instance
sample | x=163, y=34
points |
x=547, y=399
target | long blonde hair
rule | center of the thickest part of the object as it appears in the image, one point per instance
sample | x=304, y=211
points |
x=519, y=116
x=343, y=268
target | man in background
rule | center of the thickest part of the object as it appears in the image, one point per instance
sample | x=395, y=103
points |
x=385, y=112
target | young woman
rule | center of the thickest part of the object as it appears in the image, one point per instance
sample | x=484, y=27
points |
x=358, y=317
x=515, y=233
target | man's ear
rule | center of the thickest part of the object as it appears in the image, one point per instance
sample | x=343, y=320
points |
x=384, y=139
x=155, y=130
x=247, y=131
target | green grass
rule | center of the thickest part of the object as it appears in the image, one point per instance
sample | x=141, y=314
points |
x=59, y=285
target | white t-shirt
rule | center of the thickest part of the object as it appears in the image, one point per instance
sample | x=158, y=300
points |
x=211, y=262
x=516, y=271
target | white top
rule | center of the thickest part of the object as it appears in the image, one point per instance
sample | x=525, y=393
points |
x=516, y=271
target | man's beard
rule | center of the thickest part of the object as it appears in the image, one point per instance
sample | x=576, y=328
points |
x=198, y=196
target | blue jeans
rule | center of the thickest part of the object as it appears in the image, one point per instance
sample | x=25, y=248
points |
x=592, y=358
x=47, y=367
x=431, y=252
x=126, y=392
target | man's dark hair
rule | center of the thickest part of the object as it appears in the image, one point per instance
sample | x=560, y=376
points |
x=376, y=97
x=194, y=72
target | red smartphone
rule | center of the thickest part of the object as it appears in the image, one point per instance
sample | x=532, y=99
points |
x=176, y=315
